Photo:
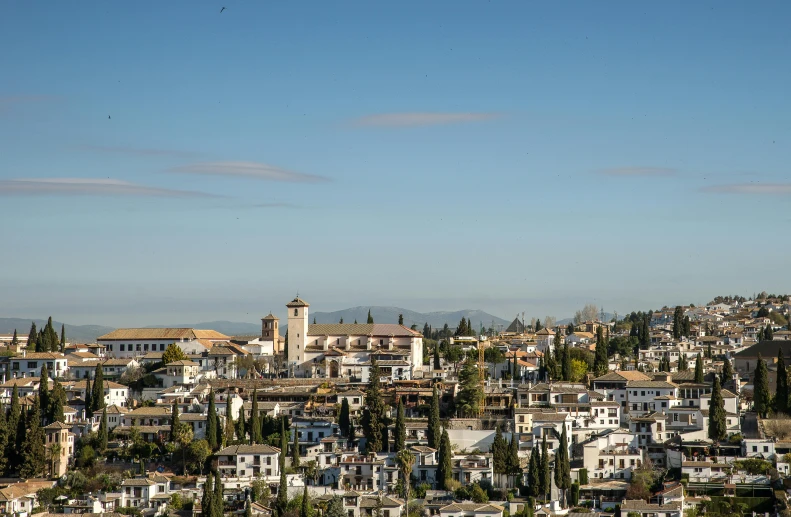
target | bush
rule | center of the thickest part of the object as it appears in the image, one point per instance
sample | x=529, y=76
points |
x=754, y=466
x=583, y=476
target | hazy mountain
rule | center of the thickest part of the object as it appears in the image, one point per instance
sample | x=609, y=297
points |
x=390, y=315
x=74, y=333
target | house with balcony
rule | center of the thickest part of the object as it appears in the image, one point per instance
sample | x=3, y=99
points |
x=359, y=505
x=114, y=393
x=612, y=454
x=471, y=468
x=178, y=373
x=363, y=472
x=247, y=461
x=146, y=493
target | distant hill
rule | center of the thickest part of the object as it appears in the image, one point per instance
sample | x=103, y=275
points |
x=74, y=333
x=390, y=315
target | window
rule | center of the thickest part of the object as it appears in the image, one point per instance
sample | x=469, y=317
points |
x=755, y=448
x=162, y=347
x=766, y=448
x=32, y=364
x=296, y=312
x=137, y=347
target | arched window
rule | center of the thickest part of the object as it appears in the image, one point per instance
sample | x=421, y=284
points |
x=296, y=312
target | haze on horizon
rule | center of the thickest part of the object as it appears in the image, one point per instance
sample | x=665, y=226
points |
x=178, y=164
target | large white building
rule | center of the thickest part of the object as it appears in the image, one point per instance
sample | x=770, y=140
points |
x=344, y=350
x=123, y=343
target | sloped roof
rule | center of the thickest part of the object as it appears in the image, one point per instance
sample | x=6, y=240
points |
x=623, y=375
x=362, y=329
x=516, y=326
x=161, y=334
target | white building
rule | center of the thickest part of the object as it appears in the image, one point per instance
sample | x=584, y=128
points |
x=129, y=342
x=30, y=364
x=248, y=461
x=114, y=393
x=339, y=350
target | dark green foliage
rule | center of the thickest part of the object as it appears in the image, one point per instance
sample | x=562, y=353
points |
x=34, y=459
x=207, y=503
x=255, y=423
x=241, y=426
x=678, y=322
x=43, y=391
x=683, y=364
x=727, y=371
x=374, y=412
x=4, y=437
x=344, y=418
x=544, y=474
x=562, y=465
x=218, y=499
x=434, y=431
x=499, y=452
x=88, y=398
x=444, y=465
x=400, y=319
x=103, y=435
x=533, y=473
x=781, y=391
x=282, y=492
x=761, y=397
x=174, y=422
x=601, y=360
x=470, y=393
x=699, y=369
x=97, y=396
x=370, y=318
x=717, y=429
x=32, y=338
x=437, y=364
x=56, y=402
x=304, y=510
x=295, y=448
x=211, y=424
x=400, y=428
x=512, y=457
x=62, y=337
x=686, y=330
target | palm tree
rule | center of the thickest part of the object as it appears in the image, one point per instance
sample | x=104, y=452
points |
x=54, y=456
x=184, y=437
x=405, y=460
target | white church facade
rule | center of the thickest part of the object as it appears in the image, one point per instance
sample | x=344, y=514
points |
x=345, y=350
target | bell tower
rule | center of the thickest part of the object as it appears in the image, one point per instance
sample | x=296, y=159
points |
x=297, y=331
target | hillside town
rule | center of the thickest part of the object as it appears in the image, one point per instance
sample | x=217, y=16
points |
x=679, y=411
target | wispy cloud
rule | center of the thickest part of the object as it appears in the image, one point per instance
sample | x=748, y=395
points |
x=761, y=189
x=422, y=119
x=140, y=151
x=254, y=170
x=89, y=187
x=8, y=102
x=636, y=172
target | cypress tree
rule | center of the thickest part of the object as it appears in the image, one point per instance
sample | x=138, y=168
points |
x=174, y=421
x=43, y=391
x=304, y=509
x=677, y=322
x=370, y=318
x=32, y=338
x=566, y=373
x=400, y=428
x=687, y=325
x=344, y=417
x=373, y=415
x=295, y=448
x=437, y=364
x=206, y=500
x=88, y=398
x=4, y=437
x=255, y=425
x=434, y=431
x=533, y=472
x=400, y=319
x=283, y=442
x=543, y=477
x=717, y=429
x=781, y=392
x=769, y=333
x=444, y=466
x=230, y=429
x=601, y=359
x=15, y=421
x=241, y=428
x=699, y=369
x=727, y=371
x=499, y=452
x=98, y=389
x=562, y=464
x=62, y=337
x=248, y=509
x=34, y=460
x=282, y=492
x=57, y=400
x=512, y=458
x=15, y=341
x=218, y=500
x=211, y=423
x=761, y=395
x=103, y=431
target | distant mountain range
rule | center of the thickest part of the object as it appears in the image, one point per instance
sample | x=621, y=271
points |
x=89, y=333
x=74, y=333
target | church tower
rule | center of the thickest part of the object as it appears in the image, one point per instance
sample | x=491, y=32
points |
x=270, y=331
x=297, y=331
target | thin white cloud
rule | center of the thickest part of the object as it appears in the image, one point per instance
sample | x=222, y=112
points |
x=253, y=170
x=8, y=102
x=636, y=172
x=762, y=189
x=88, y=187
x=139, y=151
x=422, y=119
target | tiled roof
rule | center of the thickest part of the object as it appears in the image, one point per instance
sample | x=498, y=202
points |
x=623, y=375
x=650, y=384
x=39, y=355
x=247, y=449
x=640, y=505
x=297, y=302
x=161, y=334
x=18, y=490
x=362, y=329
x=471, y=507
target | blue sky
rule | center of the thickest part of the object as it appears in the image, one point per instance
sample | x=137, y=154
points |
x=507, y=156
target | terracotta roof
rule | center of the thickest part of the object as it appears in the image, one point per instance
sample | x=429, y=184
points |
x=297, y=302
x=161, y=334
x=623, y=375
x=18, y=490
x=247, y=449
x=39, y=355
x=362, y=329
x=471, y=507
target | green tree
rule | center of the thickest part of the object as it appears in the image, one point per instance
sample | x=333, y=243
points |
x=211, y=424
x=544, y=475
x=206, y=501
x=335, y=507
x=184, y=436
x=34, y=460
x=400, y=319
x=241, y=426
x=255, y=423
x=444, y=464
x=470, y=393
x=32, y=338
x=304, y=510
x=218, y=506
x=499, y=452
x=437, y=364
x=230, y=427
x=761, y=397
x=563, y=467
x=198, y=451
x=57, y=400
x=97, y=397
x=43, y=391
x=282, y=492
x=62, y=337
x=699, y=369
x=174, y=421
x=400, y=428
x=370, y=318
x=344, y=418
x=4, y=437
x=434, y=431
x=102, y=437
x=295, y=448
x=687, y=330
x=373, y=415
x=683, y=365
x=727, y=371
x=717, y=429
x=15, y=341
x=533, y=472
x=678, y=322
x=88, y=398
x=512, y=465
x=781, y=391
x=14, y=440
x=601, y=360
x=172, y=354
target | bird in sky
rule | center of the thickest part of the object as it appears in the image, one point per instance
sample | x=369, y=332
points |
x=108, y=116
x=221, y=10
